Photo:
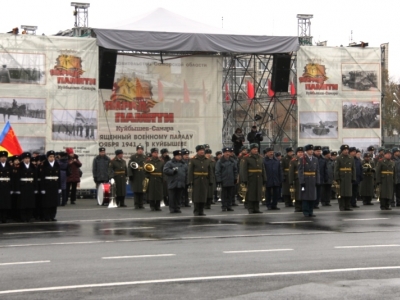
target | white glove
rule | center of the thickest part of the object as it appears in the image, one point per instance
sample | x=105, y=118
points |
x=59, y=191
x=127, y=180
x=43, y=192
x=112, y=181
x=18, y=192
x=35, y=192
x=11, y=192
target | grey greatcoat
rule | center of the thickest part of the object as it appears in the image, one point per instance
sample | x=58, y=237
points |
x=385, y=177
x=285, y=163
x=253, y=173
x=309, y=176
x=136, y=176
x=200, y=175
x=155, y=190
x=117, y=170
x=345, y=174
x=367, y=184
x=226, y=171
x=100, y=168
x=176, y=171
x=330, y=165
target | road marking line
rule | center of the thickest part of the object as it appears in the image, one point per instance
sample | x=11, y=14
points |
x=192, y=279
x=372, y=219
x=365, y=246
x=211, y=225
x=290, y=222
x=25, y=263
x=138, y=256
x=131, y=228
x=254, y=251
x=31, y=232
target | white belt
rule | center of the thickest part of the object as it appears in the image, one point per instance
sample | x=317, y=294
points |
x=4, y=179
x=26, y=179
x=51, y=177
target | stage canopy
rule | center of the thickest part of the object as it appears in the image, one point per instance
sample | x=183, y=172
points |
x=164, y=31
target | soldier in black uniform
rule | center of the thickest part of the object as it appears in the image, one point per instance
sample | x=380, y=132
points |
x=37, y=212
x=136, y=176
x=165, y=158
x=50, y=186
x=5, y=187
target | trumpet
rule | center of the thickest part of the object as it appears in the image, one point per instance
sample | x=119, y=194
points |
x=336, y=185
x=219, y=192
x=134, y=165
x=293, y=193
x=242, y=191
x=263, y=191
x=148, y=167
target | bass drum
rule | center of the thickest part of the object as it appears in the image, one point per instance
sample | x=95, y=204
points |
x=103, y=194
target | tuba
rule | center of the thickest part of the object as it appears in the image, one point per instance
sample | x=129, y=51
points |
x=134, y=165
x=148, y=167
x=293, y=193
x=242, y=191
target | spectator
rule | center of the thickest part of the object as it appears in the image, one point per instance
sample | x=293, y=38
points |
x=73, y=174
x=255, y=137
x=63, y=162
x=237, y=140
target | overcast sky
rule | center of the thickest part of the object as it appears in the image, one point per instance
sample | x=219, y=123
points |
x=375, y=22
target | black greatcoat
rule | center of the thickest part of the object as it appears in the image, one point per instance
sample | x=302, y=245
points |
x=26, y=198
x=50, y=185
x=5, y=186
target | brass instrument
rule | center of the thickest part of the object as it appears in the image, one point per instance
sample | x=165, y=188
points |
x=134, y=165
x=112, y=204
x=219, y=192
x=336, y=186
x=190, y=192
x=378, y=191
x=148, y=167
x=242, y=191
x=145, y=184
x=263, y=191
x=292, y=190
x=367, y=167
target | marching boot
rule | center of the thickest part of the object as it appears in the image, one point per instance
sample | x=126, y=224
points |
x=201, y=209
x=256, y=207
x=195, y=209
x=250, y=207
x=117, y=200
x=152, y=205
x=341, y=204
x=157, y=206
x=347, y=204
x=288, y=201
x=122, y=201
x=208, y=203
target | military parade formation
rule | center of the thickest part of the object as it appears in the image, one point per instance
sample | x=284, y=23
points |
x=32, y=186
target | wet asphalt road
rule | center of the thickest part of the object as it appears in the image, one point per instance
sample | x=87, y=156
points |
x=94, y=252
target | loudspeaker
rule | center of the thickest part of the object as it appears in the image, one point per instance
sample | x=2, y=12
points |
x=280, y=72
x=107, y=63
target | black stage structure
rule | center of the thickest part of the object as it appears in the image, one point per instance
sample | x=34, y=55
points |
x=245, y=58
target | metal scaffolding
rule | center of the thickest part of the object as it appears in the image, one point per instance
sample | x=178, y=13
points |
x=304, y=29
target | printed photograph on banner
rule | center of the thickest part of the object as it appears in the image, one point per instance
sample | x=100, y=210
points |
x=360, y=77
x=22, y=68
x=318, y=125
x=23, y=110
x=361, y=114
x=74, y=125
x=33, y=143
x=363, y=143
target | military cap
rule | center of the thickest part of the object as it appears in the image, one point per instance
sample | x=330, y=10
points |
x=358, y=150
x=226, y=149
x=62, y=154
x=42, y=157
x=152, y=150
x=371, y=148
x=334, y=153
x=177, y=152
x=325, y=152
x=344, y=147
x=200, y=147
x=386, y=151
x=277, y=154
x=3, y=153
x=299, y=149
x=102, y=149
x=185, y=151
x=139, y=147
x=366, y=154
x=243, y=148
x=352, y=149
x=308, y=147
x=164, y=150
x=268, y=149
x=34, y=159
x=325, y=147
x=51, y=152
x=230, y=149
x=381, y=149
x=119, y=151
x=208, y=151
x=289, y=149
x=395, y=149
x=25, y=155
x=206, y=146
x=218, y=153
x=254, y=145
x=15, y=157
x=317, y=148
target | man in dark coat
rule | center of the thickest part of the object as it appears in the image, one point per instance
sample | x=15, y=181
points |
x=345, y=176
x=200, y=177
x=309, y=179
x=226, y=173
x=367, y=185
x=385, y=175
x=50, y=186
x=118, y=173
x=294, y=178
x=326, y=187
x=252, y=174
x=155, y=190
x=212, y=186
x=26, y=187
x=185, y=195
x=6, y=189
x=100, y=168
x=165, y=158
x=255, y=137
x=359, y=176
x=285, y=162
x=176, y=171
x=274, y=174
x=137, y=175
x=395, y=201
x=322, y=174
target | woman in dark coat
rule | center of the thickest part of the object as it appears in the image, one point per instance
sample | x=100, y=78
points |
x=73, y=174
x=237, y=140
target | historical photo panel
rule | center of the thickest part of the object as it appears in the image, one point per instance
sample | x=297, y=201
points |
x=74, y=125
x=361, y=114
x=22, y=68
x=318, y=125
x=33, y=143
x=360, y=77
x=362, y=143
x=23, y=110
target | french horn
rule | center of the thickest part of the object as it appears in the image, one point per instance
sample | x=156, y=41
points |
x=134, y=165
x=242, y=191
x=148, y=167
